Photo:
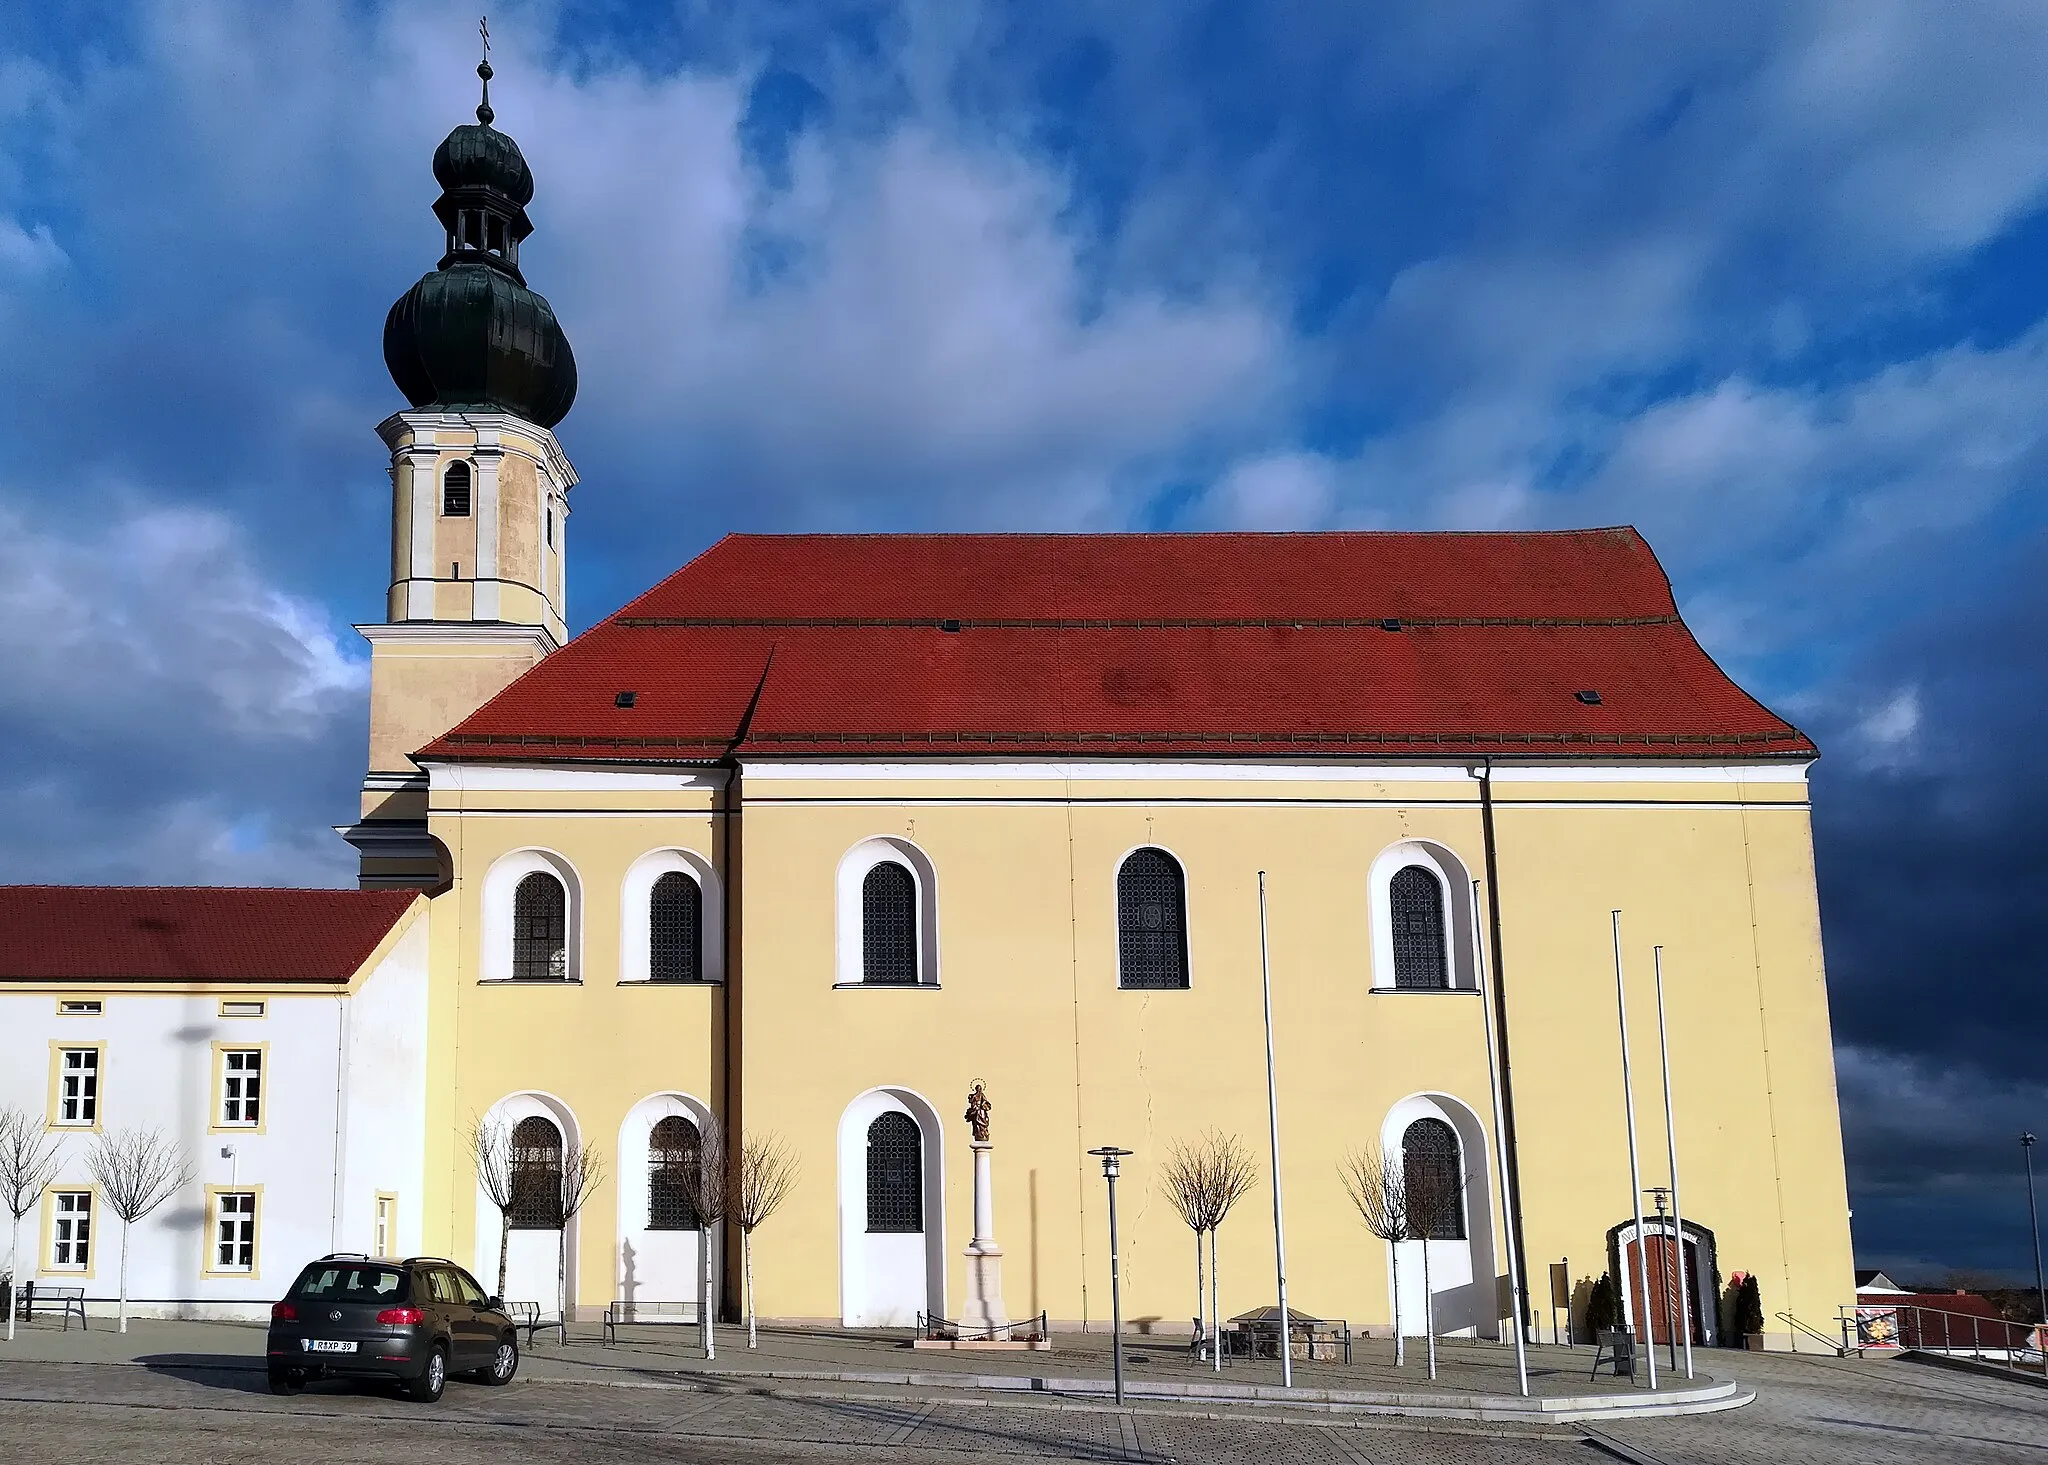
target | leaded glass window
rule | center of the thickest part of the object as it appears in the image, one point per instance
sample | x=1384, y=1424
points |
x=675, y=927
x=536, y=1170
x=1151, y=922
x=1415, y=904
x=888, y=926
x=895, y=1174
x=675, y=1151
x=540, y=925
x=1435, y=1177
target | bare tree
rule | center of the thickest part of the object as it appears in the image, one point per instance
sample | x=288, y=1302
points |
x=28, y=1163
x=490, y=1147
x=137, y=1170
x=708, y=1186
x=1185, y=1179
x=1379, y=1191
x=1231, y=1174
x=768, y=1172
x=581, y=1174
x=1434, y=1197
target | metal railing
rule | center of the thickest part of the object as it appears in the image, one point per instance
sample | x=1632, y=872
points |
x=1916, y=1327
x=1026, y=1330
x=1840, y=1350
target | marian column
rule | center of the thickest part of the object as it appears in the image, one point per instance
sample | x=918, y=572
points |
x=983, y=1316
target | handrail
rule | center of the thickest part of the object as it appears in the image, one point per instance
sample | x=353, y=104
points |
x=2020, y=1343
x=1836, y=1348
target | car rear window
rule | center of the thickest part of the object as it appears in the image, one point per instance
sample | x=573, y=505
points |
x=345, y=1282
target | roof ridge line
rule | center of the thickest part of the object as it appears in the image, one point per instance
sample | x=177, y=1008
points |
x=1148, y=623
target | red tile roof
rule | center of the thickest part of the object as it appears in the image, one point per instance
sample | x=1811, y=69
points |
x=66, y=933
x=1367, y=644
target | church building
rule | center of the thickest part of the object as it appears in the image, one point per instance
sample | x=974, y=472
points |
x=822, y=830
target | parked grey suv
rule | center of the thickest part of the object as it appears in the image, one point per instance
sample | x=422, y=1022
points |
x=414, y=1321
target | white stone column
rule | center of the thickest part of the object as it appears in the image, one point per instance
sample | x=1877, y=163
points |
x=423, y=461
x=984, y=1314
x=485, y=508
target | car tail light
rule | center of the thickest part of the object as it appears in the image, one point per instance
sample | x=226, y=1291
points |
x=283, y=1312
x=404, y=1317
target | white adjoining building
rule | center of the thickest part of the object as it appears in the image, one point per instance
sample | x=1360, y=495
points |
x=277, y=1037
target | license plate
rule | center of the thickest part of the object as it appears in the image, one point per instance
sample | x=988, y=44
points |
x=327, y=1345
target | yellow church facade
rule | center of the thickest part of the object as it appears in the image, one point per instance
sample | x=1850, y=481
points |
x=822, y=830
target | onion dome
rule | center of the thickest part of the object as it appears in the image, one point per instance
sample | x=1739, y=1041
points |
x=471, y=335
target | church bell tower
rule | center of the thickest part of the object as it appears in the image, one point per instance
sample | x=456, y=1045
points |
x=480, y=491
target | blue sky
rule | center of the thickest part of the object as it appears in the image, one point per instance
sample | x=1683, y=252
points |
x=1765, y=280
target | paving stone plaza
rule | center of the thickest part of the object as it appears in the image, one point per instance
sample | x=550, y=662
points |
x=193, y=1393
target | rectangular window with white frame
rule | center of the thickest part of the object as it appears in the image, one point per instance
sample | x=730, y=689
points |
x=241, y=1088
x=70, y=1230
x=234, y=1231
x=78, y=1088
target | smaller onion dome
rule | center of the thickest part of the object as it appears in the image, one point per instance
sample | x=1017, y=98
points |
x=477, y=155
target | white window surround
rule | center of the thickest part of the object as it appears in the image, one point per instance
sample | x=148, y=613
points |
x=538, y=1256
x=853, y=870
x=636, y=893
x=501, y=883
x=1116, y=913
x=886, y=1277
x=1463, y=1309
x=1459, y=916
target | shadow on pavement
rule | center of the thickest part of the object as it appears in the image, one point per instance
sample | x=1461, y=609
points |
x=237, y=1373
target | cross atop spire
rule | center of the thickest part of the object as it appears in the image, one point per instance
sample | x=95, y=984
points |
x=484, y=114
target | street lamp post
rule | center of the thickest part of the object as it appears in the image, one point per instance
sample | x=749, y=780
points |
x=1109, y=1155
x=2034, y=1221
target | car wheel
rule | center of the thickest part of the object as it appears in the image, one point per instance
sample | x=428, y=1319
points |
x=433, y=1378
x=286, y=1380
x=504, y=1362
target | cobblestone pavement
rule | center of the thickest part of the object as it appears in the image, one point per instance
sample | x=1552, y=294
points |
x=1812, y=1409
x=1807, y=1410
x=57, y=1414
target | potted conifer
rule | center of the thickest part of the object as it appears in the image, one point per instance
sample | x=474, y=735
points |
x=1749, y=1313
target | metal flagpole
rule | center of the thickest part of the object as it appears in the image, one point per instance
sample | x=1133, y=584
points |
x=1500, y=1136
x=1273, y=1126
x=1635, y=1169
x=1671, y=1146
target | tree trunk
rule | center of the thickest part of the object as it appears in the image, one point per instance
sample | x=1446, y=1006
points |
x=1215, y=1305
x=1201, y=1297
x=504, y=1246
x=1428, y=1307
x=13, y=1276
x=562, y=1284
x=747, y=1256
x=1400, y=1338
x=124, y=1276
x=704, y=1295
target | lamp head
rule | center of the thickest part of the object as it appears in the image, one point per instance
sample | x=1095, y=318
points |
x=1109, y=1155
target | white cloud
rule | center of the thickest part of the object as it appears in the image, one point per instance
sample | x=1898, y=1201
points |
x=27, y=253
x=161, y=613
x=1277, y=491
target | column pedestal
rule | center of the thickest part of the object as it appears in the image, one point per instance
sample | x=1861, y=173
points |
x=983, y=1315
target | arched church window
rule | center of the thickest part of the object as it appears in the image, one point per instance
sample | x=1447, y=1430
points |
x=1151, y=922
x=540, y=925
x=675, y=930
x=1415, y=904
x=455, y=491
x=895, y=1173
x=888, y=926
x=674, y=1152
x=536, y=1173
x=1434, y=1173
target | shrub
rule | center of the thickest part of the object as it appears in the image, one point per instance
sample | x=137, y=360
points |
x=1749, y=1308
x=1601, y=1311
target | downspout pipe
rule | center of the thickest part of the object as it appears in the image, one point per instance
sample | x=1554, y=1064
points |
x=1509, y=1140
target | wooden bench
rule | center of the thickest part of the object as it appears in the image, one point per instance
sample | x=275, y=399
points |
x=624, y=1313
x=68, y=1301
